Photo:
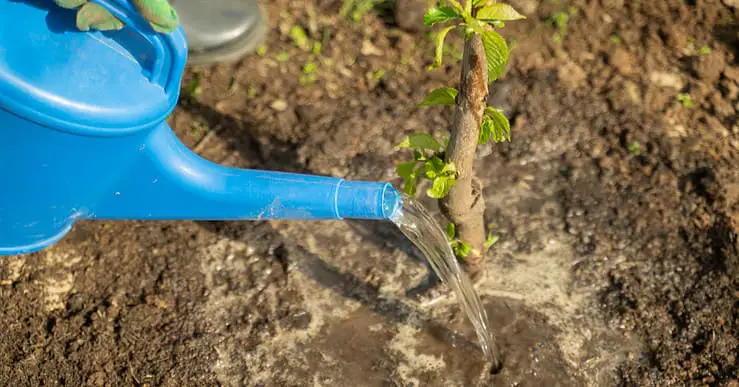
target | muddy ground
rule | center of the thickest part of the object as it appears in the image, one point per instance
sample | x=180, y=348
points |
x=617, y=207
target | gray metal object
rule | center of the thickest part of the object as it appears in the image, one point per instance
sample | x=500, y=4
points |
x=221, y=30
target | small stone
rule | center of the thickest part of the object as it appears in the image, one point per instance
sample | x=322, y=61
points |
x=731, y=3
x=666, y=79
x=623, y=61
x=370, y=49
x=633, y=92
x=279, y=105
x=678, y=131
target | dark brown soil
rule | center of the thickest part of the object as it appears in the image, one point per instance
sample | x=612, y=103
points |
x=617, y=262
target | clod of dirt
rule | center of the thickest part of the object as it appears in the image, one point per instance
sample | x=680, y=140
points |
x=709, y=67
x=571, y=75
x=623, y=61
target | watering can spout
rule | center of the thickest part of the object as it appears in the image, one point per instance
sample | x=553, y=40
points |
x=170, y=182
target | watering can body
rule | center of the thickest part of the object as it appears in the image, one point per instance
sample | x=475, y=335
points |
x=83, y=136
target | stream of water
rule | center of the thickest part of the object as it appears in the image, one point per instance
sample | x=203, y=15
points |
x=417, y=224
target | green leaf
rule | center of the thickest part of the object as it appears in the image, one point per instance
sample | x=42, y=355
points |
x=478, y=3
x=438, y=15
x=499, y=12
x=299, y=37
x=496, y=51
x=420, y=141
x=410, y=175
x=440, y=96
x=409, y=187
x=449, y=169
x=451, y=231
x=405, y=170
x=441, y=186
x=459, y=8
x=486, y=130
x=501, y=127
x=434, y=167
x=440, y=36
x=491, y=240
x=462, y=249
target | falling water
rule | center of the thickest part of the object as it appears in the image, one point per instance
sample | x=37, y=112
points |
x=417, y=224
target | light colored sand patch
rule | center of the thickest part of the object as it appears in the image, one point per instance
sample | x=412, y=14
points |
x=404, y=345
x=13, y=268
x=57, y=287
x=543, y=280
x=281, y=349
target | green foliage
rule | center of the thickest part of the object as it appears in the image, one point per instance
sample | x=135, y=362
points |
x=421, y=141
x=495, y=12
x=496, y=51
x=635, y=148
x=427, y=163
x=356, y=9
x=439, y=15
x=461, y=249
x=283, y=57
x=439, y=41
x=491, y=240
x=686, y=100
x=560, y=20
x=300, y=37
x=441, y=96
x=193, y=88
x=495, y=126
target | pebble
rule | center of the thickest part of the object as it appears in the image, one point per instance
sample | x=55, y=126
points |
x=279, y=105
x=370, y=49
x=667, y=79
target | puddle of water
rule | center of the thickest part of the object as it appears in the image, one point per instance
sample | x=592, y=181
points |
x=417, y=224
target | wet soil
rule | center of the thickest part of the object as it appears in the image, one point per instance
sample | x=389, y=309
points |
x=617, y=207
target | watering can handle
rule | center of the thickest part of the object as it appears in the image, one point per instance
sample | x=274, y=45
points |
x=163, y=44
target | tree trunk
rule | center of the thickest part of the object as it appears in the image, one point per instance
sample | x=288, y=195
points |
x=464, y=205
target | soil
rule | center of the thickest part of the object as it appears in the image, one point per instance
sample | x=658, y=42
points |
x=617, y=208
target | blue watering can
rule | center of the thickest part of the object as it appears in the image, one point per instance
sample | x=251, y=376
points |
x=83, y=136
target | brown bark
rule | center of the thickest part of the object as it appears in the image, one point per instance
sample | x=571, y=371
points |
x=464, y=205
